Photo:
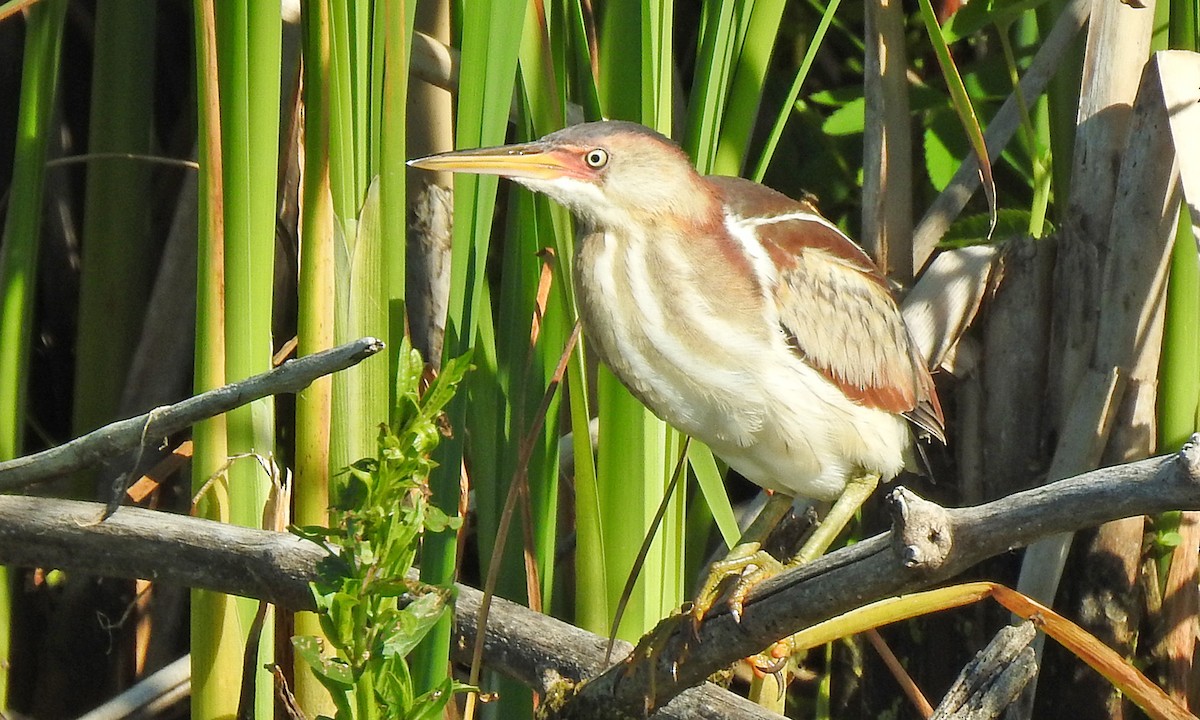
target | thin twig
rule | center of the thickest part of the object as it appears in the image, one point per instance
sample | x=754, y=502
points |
x=519, y=480
x=907, y=684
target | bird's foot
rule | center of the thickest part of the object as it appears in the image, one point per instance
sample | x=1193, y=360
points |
x=746, y=565
x=774, y=659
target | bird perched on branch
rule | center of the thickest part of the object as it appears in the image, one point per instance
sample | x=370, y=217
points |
x=738, y=315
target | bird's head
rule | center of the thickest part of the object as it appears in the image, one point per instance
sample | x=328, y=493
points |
x=609, y=173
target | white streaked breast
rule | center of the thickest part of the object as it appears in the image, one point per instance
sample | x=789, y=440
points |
x=772, y=417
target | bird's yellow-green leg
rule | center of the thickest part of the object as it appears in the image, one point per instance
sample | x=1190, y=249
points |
x=749, y=564
x=856, y=493
x=747, y=560
x=858, y=489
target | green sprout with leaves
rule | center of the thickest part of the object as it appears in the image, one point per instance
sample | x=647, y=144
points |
x=372, y=613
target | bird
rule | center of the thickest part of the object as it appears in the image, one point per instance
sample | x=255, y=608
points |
x=735, y=313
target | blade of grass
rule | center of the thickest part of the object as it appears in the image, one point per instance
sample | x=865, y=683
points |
x=962, y=105
x=500, y=400
x=753, y=60
x=592, y=609
x=714, y=65
x=620, y=49
x=1179, y=394
x=491, y=35
x=19, y=251
x=212, y=614
x=22, y=224
x=541, y=66
x=399, y=17
x=581, y=66
x=760, y=169
x=708, y=477
x=118, y=252
x=1036, y=141
x=360, y=396
x=1062, y=105
x=247, y=44
x=527, y=449
x=658, y=59
x=644, y=550
x=315, y=323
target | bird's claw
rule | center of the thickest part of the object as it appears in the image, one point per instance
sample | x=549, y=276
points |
x=773, y=662
x=747, y=564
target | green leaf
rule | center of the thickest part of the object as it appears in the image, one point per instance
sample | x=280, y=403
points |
x=332, y=671
x=342, y=611
x=352, y=493
x=1169, y=540
x=945, y=148
x=391, y=587
x=836, y=97
x=437, y=521
x=413, y=623
x=410, y=369
x=430, y=705
x=315, y=533
x=978, y=14
x=395, y=689
x=849, y=119
x=973, y=229
x=443, y=389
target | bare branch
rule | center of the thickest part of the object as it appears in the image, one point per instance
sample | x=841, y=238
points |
x=112, y=440
x=927, y=545
x=991, y=682
x=533, y=648
x=159, y=546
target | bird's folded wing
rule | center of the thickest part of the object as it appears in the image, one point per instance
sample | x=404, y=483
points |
x=838, y=313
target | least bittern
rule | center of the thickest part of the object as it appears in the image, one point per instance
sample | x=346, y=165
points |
x=736, y=314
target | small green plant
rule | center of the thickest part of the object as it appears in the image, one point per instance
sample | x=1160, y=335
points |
x=371, y=611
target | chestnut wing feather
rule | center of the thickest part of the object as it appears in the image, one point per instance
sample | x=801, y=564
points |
x=825, y=311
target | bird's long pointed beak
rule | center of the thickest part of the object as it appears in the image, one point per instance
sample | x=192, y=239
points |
x=535, y=161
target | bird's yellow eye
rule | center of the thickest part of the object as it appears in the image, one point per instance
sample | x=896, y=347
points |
x=596, y=159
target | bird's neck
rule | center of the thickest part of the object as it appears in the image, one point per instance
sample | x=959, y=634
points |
x=682, y=204
x=683, y=252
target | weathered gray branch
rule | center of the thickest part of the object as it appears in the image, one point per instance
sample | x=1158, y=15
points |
x=928, y=545
x=112, y=440
x=994, y=678
x=176, y=549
